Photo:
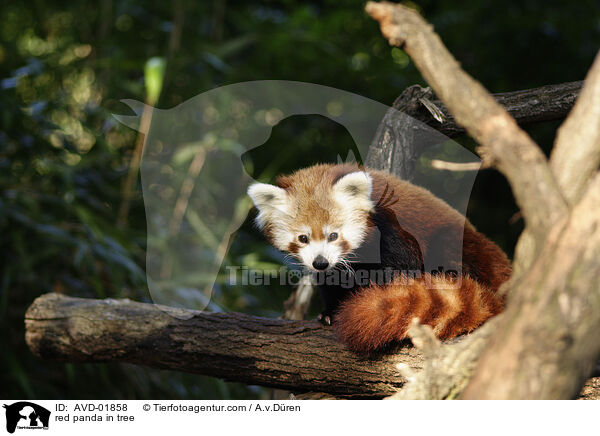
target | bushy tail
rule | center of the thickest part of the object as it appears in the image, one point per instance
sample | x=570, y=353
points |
x=379, y=315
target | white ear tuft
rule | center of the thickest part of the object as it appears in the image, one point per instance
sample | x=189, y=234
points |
x=355, y=188
x=268, y=199
x=264, y=195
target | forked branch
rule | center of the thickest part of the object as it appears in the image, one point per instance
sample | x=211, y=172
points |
x=546, y=343
x=503, y=143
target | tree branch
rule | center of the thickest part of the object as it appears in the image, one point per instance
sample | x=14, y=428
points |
x=399, y=139
x=576, y=154
x=529, y=106
x=547, y=341
x=545, y=344
x=447, y=367
x=295, y=355
x=503, y=143
x=402, y=135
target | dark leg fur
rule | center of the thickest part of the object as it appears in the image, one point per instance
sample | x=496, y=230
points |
x=398, y=251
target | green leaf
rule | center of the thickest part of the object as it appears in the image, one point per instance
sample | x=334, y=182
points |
x=154, y=75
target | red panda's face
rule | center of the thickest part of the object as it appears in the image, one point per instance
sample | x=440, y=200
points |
x=317, y=221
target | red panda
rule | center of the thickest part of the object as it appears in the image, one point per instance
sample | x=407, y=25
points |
x=326, y=215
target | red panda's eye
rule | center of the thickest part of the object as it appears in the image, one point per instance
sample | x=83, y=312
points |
x=303, y=239
x=332, y=237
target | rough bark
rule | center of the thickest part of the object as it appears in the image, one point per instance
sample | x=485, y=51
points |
x=548, y=338
x=402, y=136
x=297, y=355
x=446, y=367
x=503, y=143
x=545, y=344
x=400, y=139
x=576, y=152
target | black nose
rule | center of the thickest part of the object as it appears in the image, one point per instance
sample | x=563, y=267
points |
x=320, y=263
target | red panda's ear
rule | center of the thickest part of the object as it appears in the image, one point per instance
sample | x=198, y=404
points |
x=269, y=200
x=354, y=189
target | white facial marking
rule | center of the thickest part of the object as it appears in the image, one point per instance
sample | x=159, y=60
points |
x=269, y=200
x=329, y=250
x=354, y=233
x=352, y=193
x=274, y=208
x=354, y=189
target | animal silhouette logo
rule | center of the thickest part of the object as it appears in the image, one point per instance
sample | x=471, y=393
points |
x=194, y=182
x=26, y=415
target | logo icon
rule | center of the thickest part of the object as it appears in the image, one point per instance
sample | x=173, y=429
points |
x=194, y=173
x=26, y=415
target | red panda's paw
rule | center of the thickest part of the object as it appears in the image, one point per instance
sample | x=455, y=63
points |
x=324, y=319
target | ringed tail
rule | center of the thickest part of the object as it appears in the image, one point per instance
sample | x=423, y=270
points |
x=378, y=316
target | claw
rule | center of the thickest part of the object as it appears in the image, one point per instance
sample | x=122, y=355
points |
x=324, y=319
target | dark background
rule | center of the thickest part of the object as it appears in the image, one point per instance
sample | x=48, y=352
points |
x=63, y=159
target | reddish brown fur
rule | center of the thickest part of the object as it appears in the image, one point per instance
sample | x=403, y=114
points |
x=493, y=267
x=344, y=246
x=419, y=213
x=378, y=316
x=310, y=188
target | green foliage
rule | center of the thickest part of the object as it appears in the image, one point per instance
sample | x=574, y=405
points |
x=63, y=159
x=154, y=75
